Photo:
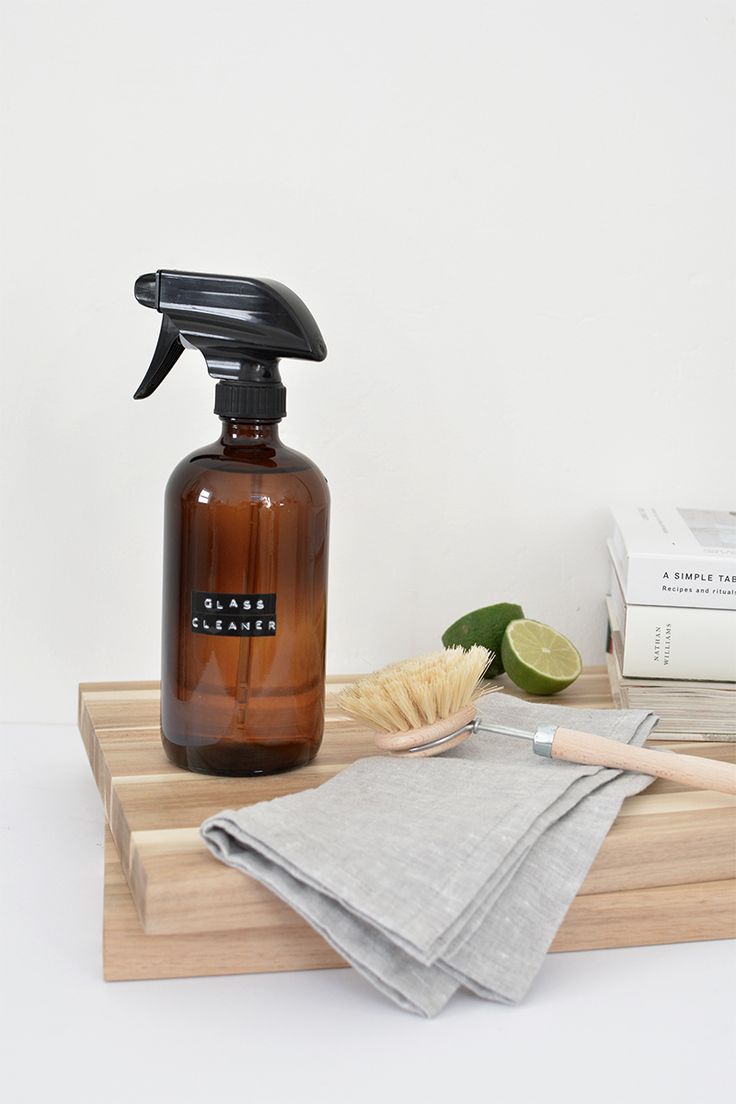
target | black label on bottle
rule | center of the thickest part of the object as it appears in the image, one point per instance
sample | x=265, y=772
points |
x=233, y=614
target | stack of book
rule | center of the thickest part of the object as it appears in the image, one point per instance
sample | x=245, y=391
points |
x=672, y=619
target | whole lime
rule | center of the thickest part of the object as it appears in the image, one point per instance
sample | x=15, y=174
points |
x=538, y=659
x=486, y=627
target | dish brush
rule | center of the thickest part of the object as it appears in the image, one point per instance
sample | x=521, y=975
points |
x=424, y=706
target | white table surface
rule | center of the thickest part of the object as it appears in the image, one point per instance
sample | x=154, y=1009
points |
x=643, y=1024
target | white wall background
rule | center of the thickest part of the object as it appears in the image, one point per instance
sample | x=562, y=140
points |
x=514, y=223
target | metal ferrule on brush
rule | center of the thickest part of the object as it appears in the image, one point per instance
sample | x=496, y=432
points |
x=542, y=739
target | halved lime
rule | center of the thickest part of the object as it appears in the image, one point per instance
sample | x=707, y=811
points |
x=538, y=659
x=486, y=627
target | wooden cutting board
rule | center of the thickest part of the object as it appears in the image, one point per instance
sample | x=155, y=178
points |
x=663, y=838
x=627, y=918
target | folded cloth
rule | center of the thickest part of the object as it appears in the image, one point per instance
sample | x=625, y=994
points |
x=431, y=874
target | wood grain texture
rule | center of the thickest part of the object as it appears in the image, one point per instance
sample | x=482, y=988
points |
x=623, y=919
x=645, y=917
x=129, y=954
x=668, y=836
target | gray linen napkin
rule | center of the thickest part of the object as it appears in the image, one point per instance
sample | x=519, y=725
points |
x=429, y=874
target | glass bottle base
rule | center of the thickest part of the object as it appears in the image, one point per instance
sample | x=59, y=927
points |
x=232, y=760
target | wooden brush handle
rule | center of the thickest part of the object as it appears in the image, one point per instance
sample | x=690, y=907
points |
x=399, y=743
x=598, y=751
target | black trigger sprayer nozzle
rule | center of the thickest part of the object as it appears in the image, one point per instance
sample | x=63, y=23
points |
x=241, y=325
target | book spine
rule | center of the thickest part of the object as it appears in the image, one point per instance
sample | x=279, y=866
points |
x=698, y=584
x=663, y=642
x=692, y=581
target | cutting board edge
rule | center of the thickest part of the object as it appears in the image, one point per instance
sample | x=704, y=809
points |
x=131, y=955
x=149, y=894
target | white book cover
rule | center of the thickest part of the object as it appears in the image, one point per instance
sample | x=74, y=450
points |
x=671, y=642
x=672, y=556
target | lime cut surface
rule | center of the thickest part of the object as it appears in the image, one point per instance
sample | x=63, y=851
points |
x=538, y=659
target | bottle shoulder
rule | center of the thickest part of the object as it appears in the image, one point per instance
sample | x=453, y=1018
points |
x=225, y=473
x=254, y=457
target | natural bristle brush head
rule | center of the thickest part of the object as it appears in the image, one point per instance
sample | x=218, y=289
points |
x=419, y=701
x=424, y=706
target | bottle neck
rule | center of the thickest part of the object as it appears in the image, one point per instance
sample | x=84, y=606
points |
x=238, y=433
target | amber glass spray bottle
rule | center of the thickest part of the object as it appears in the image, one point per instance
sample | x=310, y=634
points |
x=245, y=537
